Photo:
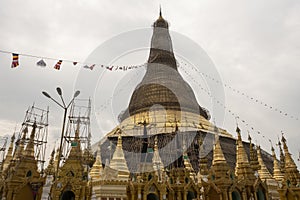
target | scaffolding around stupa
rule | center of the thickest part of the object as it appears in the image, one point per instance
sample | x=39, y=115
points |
x=39, y=117
x=78, y=120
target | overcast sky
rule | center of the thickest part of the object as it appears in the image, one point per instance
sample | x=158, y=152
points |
x=254, y=45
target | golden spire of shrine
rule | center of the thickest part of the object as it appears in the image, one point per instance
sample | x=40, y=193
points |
x=20, y=146
x=253, y=156
x=282, y=157
x=158, y=165
x=218, y=156
x=29, y=151
x=242, y=157
x=277, y=174
x=292, y=175
x=263, y=171
x=220, y=167
x=242, y=168
x=156, y=160
x=118, y=161
x=186, y=160
x=9, y=154
x=97, y=168
x=50, y=170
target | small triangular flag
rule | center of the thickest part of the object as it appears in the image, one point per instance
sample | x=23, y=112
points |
x=41, y=63
x=86, y=67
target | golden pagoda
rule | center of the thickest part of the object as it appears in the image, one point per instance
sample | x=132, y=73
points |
x=165, y=146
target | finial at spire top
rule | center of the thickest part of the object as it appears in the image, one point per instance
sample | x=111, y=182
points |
x=238, y=130
x=272, y=149
x=13, y=137
x=119, y=142
x=160, y=11
x=249, y=137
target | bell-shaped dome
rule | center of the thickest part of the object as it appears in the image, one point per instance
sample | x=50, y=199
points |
x=162, y=84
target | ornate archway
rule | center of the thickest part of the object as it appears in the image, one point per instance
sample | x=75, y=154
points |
x=260, y=194
x=190, y=195
x=67, y=195
x=235, y=195
x=152, y=196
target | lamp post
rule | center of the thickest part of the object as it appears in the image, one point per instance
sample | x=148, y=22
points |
x=65, y=107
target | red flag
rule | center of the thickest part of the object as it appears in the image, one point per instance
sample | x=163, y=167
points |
x=110, y=68
x=15, y=61
x=57, y=66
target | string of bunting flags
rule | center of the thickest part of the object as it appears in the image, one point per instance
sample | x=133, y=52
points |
x=41, y=63
x=58, y=64
x=255, y=100
x=235, y=115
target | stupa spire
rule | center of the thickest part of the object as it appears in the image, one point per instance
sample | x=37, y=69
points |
x=186, y=161
x=29, y=151
x=277, y=174
x=242, y=168
x=253, y=155
x=118, y=161
x=162, y=80
x=50, y=170
x=292, y=175
x=160, y=11
x=218, y=156
x=219, y=164
x=263, y=171
x=20, y=145
x=188, y=166
x=97, y=168
x=158, y=165
x=282, y=157
x=156, y=160
x=9, y=154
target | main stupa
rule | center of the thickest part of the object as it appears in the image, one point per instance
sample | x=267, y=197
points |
x=162, y=84
x=165, y=146
x=163, y=105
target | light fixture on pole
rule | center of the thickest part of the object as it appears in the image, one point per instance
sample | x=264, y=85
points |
x=63, y=105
